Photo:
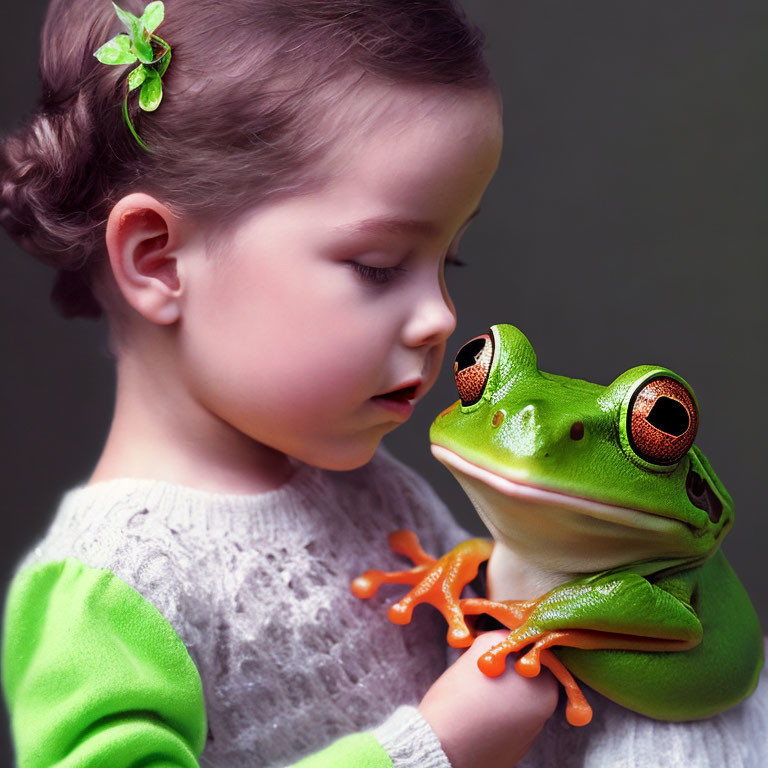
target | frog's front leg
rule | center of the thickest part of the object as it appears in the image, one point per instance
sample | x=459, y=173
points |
x=605, y=611
x=438, y=582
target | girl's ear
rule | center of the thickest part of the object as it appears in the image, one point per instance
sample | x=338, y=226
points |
x=142, y=239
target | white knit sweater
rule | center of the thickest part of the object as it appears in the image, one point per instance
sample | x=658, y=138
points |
x=257, y=588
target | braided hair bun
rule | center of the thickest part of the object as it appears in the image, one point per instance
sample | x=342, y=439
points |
x=42, y=179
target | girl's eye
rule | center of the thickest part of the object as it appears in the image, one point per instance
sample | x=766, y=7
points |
x=386, y=274
x=375, y=274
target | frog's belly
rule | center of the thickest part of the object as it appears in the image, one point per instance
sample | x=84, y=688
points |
x=547, y=537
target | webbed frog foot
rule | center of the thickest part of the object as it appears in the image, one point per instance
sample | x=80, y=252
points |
x=514, y=614
x=438, y=582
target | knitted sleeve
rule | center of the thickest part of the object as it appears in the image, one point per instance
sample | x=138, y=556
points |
x=93, y=674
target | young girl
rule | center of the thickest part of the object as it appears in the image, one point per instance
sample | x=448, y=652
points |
x=268, y=247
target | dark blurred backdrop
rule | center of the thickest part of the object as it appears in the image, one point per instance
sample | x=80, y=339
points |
x=626, y=225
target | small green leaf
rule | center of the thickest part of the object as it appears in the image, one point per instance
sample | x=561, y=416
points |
x=151, y=92
x=137, y=77
x=144, y=50
x=130, y=21
x=153, y=16
x=116, y=51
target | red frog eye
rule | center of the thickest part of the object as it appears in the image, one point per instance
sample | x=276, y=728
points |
x=471, y=368
x=662, y=421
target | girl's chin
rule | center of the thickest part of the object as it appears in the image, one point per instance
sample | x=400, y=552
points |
x=346, y=459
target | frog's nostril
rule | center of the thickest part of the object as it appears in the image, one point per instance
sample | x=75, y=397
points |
x=577, y=430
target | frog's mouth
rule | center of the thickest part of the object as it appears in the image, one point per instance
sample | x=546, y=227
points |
x=564, y=532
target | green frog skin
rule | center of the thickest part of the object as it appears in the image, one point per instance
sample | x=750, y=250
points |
x=605, y=562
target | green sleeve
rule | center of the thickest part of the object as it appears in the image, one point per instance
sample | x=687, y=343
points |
x=94, y=676
x=359, y=750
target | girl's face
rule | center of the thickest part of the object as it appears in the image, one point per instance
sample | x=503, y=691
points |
x=329, y=299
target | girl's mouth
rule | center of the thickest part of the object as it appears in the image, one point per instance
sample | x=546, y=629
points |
x=401, y=395
x=398, y=401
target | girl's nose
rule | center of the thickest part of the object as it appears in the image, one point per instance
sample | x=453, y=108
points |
x=432, y=317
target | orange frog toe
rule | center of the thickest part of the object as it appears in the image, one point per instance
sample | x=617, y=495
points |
x=436, y=582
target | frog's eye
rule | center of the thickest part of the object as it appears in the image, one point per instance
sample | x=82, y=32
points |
x=662, y=421
x=471, y=368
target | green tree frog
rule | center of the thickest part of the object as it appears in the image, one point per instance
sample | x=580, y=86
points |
x=605, y=561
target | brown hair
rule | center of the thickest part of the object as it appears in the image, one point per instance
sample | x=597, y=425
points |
x=247, y=88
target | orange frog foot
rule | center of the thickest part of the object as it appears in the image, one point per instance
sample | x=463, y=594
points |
x=436, y=582
x=439, y=582
x=510, y=612
x=513, y=613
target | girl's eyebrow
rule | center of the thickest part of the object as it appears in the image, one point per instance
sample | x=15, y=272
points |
x=389, y=224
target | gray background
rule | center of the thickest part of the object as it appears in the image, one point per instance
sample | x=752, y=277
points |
x=626, y=225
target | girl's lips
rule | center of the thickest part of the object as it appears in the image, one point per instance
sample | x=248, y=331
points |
x=400, y=407
x=403, y=394
x=399, y=400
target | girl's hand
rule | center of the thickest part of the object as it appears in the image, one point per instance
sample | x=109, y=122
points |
x=487, y=722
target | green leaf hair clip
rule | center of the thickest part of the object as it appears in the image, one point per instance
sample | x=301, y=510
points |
x=137, y=46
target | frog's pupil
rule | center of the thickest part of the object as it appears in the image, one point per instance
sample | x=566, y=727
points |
x=669, y=416
x=471, y=367
x=467, y=355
